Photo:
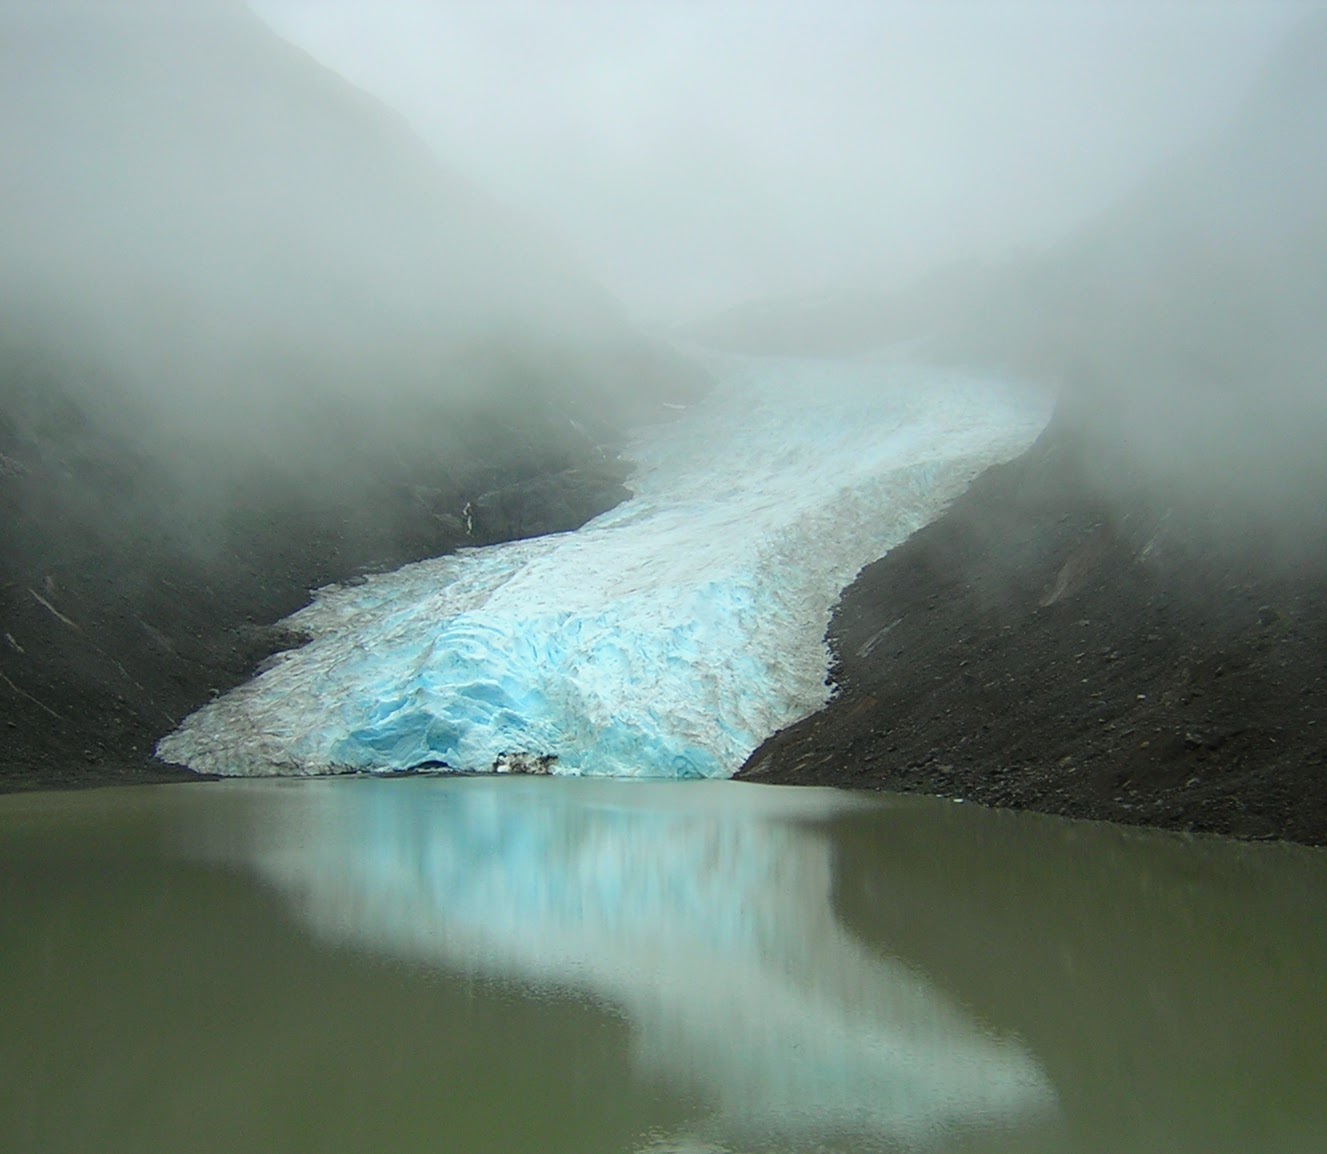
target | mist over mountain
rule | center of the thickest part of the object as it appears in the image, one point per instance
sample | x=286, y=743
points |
x=1186, y=323
x=1182, y=326
x=1247, y=193
x=235, y=235
x=255, y=337
x=186, y=150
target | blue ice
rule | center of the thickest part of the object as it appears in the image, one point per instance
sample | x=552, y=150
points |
x=666, y=638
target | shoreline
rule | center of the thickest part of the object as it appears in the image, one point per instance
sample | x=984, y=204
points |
x=158, y=774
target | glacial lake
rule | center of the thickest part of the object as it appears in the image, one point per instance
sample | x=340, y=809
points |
x=542, y=965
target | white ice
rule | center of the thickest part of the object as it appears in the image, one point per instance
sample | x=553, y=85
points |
x=666, y=638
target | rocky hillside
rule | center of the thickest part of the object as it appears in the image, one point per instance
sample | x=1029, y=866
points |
x=1040, y=648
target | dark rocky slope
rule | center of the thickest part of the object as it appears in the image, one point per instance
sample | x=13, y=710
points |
x=1040, y=647
x=1130, y=621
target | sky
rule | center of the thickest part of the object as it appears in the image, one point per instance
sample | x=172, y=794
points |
x=696, y=155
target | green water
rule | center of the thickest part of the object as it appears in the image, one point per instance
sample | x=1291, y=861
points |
x=548, y=965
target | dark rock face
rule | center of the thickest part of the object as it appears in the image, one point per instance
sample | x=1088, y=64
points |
x=1042, y=646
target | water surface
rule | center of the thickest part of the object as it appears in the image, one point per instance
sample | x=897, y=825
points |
x=545, y=965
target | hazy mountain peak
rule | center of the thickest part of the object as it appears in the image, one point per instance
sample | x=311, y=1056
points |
x=213, y=213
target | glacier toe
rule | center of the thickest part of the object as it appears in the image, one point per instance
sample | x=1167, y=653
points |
x=667, y=637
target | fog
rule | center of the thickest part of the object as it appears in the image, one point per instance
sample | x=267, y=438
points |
x=1120, y=200
x=701, y=154
x=226, y=255
x=176, y=166
x=227, y=245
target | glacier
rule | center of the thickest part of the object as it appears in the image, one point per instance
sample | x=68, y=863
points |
x=667, y=637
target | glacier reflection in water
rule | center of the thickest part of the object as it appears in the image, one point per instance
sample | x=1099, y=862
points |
x=702, y=912
x=669, y=636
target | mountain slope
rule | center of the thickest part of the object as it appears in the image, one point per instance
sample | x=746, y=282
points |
x=253, y=339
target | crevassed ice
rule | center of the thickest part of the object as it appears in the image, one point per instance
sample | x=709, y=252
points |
x=667, y=637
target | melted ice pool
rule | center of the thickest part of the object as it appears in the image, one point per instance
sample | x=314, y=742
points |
x=667, y=637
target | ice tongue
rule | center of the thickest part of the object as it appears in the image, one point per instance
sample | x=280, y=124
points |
x=667, y=637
